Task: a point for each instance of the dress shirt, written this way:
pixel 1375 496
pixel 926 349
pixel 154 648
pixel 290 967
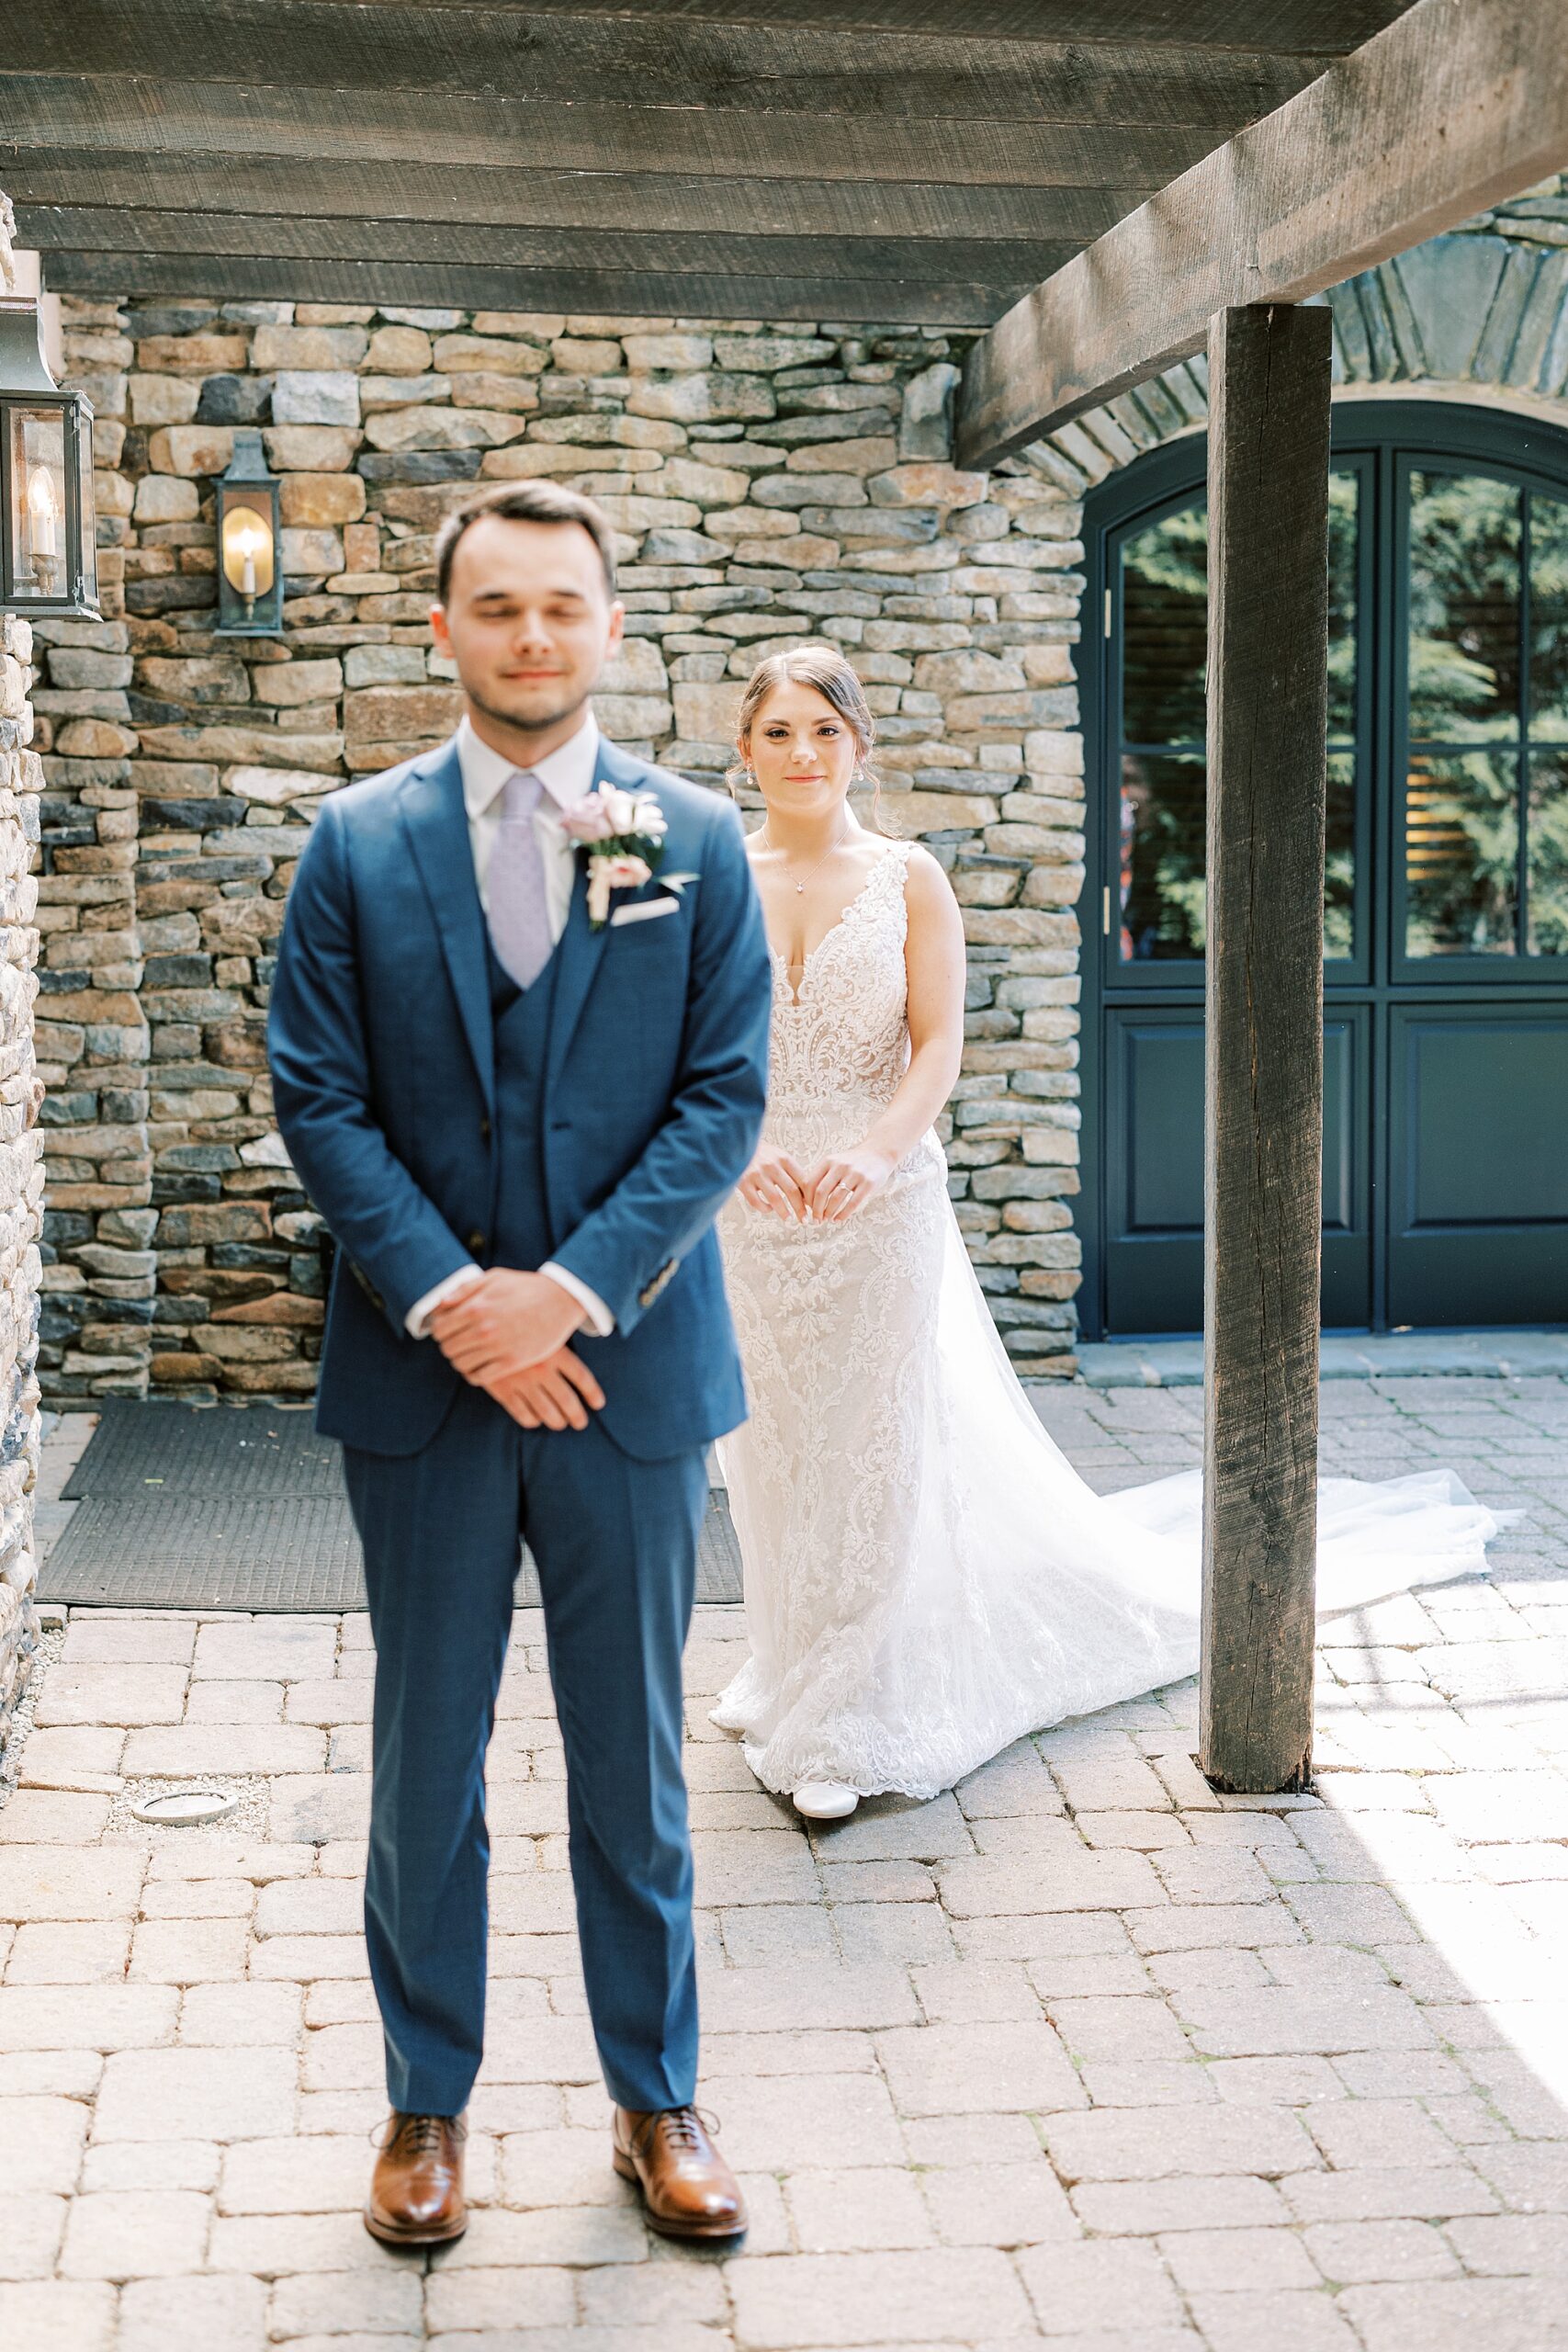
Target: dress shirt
pixel 566 775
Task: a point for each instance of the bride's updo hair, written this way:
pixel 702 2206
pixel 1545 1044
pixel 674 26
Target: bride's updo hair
pixel 824 668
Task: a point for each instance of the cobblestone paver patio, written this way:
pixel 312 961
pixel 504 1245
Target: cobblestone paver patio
pixel 1080 2054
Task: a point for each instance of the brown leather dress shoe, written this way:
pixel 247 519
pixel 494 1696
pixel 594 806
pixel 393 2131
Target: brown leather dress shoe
pixel 688 2190
pixel 416 2190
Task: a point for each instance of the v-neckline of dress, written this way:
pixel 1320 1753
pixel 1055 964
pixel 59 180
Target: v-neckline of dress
pixel 793 996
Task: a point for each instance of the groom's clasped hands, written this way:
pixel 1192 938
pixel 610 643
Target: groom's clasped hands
pixel 507 1334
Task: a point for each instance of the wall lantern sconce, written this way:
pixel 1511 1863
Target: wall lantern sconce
pixel 249 585
pixel 47 530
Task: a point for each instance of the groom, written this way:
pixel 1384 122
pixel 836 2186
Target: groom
pixel 519 1125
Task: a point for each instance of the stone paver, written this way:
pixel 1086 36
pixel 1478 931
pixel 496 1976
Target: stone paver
pixel 1080 2054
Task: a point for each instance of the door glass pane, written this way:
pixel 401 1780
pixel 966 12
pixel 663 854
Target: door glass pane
pixel 1165 574
pixel 1546 892
pixel 1339 862
pixel 1162 858
pixel 1343 495
pixel 1162 720
pixel 1464 601
pixel 1462 844
pixel 1549 618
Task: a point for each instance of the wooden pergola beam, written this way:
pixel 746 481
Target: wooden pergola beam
pixel 1456 105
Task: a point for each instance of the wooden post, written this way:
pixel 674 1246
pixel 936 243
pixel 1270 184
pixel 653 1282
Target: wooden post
pixel 1269 402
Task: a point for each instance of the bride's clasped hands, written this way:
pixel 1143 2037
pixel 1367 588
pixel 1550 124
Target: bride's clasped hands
pixel 827 1193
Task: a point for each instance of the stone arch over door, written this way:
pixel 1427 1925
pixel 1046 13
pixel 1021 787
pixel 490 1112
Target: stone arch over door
pixel 1462 317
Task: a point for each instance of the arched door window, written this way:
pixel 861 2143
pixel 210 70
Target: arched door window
pixel 1444 903
pixel 1463 583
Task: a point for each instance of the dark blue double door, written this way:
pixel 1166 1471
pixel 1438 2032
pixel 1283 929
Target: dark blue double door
pixel 1446 888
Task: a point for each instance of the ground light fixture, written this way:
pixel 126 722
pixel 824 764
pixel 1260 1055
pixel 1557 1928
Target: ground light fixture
pixel 249 585
pixel 47 530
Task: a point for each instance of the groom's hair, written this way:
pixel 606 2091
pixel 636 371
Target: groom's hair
pixel 524 501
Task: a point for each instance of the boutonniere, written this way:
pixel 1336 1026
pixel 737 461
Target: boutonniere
pixel 623 833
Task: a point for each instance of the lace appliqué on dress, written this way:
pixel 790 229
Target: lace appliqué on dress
pixel 926 1577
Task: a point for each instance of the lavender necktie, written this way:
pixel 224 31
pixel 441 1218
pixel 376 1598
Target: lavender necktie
pixel 519 902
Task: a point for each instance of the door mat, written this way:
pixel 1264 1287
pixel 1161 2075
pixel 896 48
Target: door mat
pixel 242 1506
pixel 227 1451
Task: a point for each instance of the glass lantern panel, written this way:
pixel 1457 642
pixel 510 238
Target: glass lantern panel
pixel 38 517
pixel 247 545
pixel 85 508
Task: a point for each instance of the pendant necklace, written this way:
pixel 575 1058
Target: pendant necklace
pixel 800 886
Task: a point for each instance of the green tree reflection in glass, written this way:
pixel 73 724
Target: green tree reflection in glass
pixel 1165 621
pixel 1549 618
pixel 1165 572
pixel 1464 608
pixel 1462 853
pixel 1487 665
pixel 1344 499
pixel 1547 895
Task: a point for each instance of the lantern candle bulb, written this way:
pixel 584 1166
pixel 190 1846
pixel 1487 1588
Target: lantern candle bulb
pixel 42 514
pixel 248 542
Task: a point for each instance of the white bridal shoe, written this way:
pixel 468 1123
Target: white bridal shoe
pixel 825 1800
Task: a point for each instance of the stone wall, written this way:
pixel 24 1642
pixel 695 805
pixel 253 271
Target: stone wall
pixel 21 1168
pixel 769 483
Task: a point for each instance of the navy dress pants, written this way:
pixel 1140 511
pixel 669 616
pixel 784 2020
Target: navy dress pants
pixel 615 1544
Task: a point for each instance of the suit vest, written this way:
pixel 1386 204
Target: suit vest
pixel 519 1020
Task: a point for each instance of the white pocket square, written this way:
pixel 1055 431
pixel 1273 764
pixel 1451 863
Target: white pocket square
pixel 644 910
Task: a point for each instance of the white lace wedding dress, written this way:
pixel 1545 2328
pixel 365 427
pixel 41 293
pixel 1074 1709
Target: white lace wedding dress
pixel 926 1577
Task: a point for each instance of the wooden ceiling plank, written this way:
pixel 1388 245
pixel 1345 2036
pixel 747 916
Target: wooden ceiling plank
pixel 387 127
pixel 1457 106
pixel 1315 28
pixel 513 196
pixel 88 228
pixel 625 293
pixel 547 60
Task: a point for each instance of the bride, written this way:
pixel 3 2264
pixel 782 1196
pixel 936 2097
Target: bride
pixel 927 1578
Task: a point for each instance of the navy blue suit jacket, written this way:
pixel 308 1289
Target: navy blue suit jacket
pixel 379 1038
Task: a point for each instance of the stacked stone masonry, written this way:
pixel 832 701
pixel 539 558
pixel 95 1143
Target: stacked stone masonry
pixel 769 482
pixel 22 1165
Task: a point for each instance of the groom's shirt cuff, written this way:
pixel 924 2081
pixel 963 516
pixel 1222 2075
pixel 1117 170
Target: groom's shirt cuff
pixel 601 1322
pixel 600 1319
pixel 417 1320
